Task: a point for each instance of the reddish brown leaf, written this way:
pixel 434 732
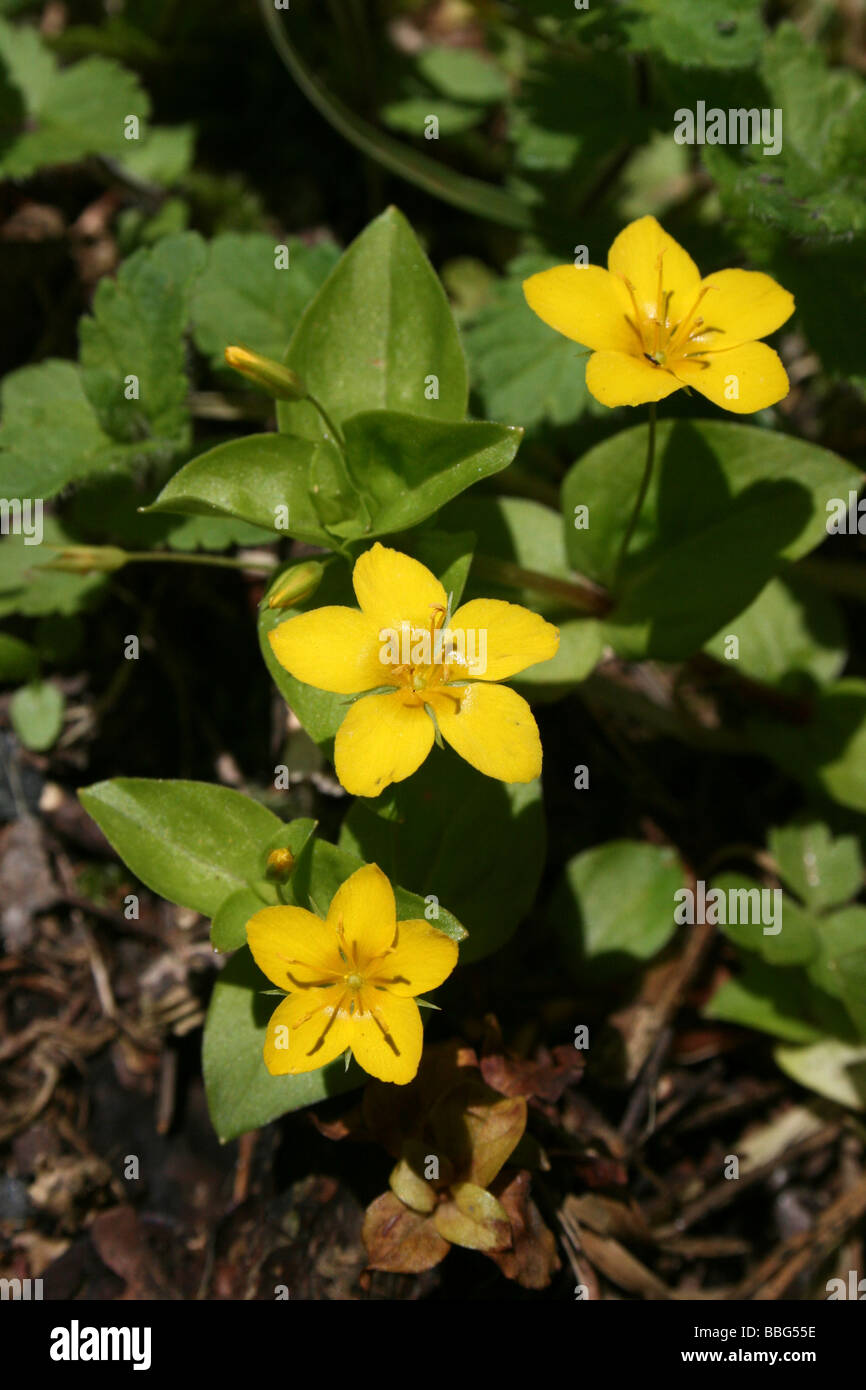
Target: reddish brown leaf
pixel 532 1259
pixel 400 1240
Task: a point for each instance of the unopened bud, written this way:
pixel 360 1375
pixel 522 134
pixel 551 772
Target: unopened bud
pixel 280 863
pixel 277 380
pixel 87 559
pixel 296 584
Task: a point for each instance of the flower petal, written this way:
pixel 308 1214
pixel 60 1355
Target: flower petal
pixel 392 588
pixel 287 940
pixel 383 739
pixel 331 648
pixel 422 958
pixel 492 728
pixel 307 1031
pixel 753 370
pixel 387 1037
pixel 364 908
pixel 617 378
pixel 744 305
pixel 635 257
pixel 585 303
pixel 503 638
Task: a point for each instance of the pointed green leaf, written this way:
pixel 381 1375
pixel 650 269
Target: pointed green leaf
pixel 191 842
pixel 378 329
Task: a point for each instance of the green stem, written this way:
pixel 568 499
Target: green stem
pixel 641 497
pixel 472 195
pixel 577 593
pixel 216 561
pixel 328 422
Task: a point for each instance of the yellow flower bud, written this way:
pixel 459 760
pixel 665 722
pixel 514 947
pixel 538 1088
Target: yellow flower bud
pixel 280 863
pixel 277 380
pixel 87 559
pixel 296 584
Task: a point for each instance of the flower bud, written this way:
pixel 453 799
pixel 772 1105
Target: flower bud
pixel 280 863
pixel 277 380
pixel 87 559
pixel 296 584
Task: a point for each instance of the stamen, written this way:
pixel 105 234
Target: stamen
pixel 658 305
pixel 310 984
pixel 688 320
pixel 633 326
pixel 327 1028
pixel 637 313
pixel 383 1029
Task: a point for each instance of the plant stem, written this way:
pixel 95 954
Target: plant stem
pixel 576 592
pixel 328 422
pixel 641 497
pixel 217 561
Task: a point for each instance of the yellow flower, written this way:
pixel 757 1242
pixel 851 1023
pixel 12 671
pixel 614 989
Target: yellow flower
pixel 352 980
pixel 654 325
pixel 435 669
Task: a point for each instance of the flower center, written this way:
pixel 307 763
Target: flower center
pixel 354 980
pixel 662 337
pixel 417 658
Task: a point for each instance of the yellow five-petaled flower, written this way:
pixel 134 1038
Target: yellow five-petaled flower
pixel 351 979
pixel 654 325
pixel 437 671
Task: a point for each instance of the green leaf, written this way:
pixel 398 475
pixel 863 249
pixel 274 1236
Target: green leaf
pixel 834 1069
pixel 36 711
pixel 463 74
pixel 108 510
pixel 228 928
pixel 263 479
pixel 377 330
pixel 50 435
pixel 28 587
pixel 614 906
pixel 410 115
pixel 137 330
pixel 528 534
pixel 727 504
pixel 828 752
pixel 791 635
pixel 798 942
pixel 190 842
pixel 816 186
pixel 407 467
pixel 523 369
pixel 841 966
pixel 821 870
pixel 241 1093
pixel 18 660
pixel 776 1000
pixel 163 156
pixel 571 112
pixel 711 33
pixel 68 113
pixel 424 831
pixel 242 298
